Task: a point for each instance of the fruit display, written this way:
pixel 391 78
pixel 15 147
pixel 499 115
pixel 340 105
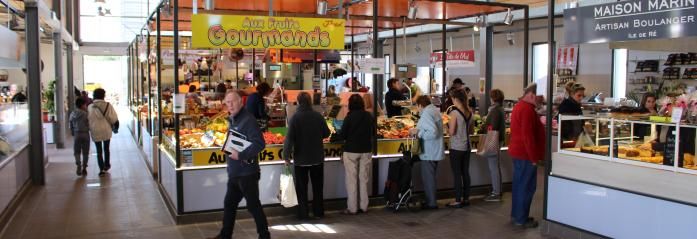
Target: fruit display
pixel 394 128
pixel 271 138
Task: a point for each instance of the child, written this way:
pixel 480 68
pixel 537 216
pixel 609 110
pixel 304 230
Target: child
pixel 79 128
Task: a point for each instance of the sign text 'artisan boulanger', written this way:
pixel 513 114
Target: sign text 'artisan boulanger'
pixel 631 20
pixel 227 31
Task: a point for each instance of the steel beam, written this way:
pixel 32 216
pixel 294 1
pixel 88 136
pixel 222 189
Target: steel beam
pixel 548 114
pixel 58 129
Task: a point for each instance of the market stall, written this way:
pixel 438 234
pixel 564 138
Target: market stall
pixel 190 127
pixel 634 161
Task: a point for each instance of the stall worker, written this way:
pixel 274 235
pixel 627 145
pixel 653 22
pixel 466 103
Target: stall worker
pixel 306 132
pixel 458 129
pixel 193 95
pixel 429 130
pixel 257 105
pixel 357 130
pixel 394 94
pixel 415 90
pixel 647 106
pixel 456 85
pixel 527 148
pixel 571 129
pixel 243 170
pixel 472 101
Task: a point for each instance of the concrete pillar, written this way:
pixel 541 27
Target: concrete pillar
pixel 58 130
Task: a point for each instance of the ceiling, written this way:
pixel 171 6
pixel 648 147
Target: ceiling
pixel 391 12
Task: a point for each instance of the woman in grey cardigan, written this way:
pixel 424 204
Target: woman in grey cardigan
pixel 495 120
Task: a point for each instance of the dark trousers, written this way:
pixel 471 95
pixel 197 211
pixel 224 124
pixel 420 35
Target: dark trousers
pixel 302 176
pixel 81 148
pixel 524 186
pixel 246 187
pixel 103 154
pixel 460 164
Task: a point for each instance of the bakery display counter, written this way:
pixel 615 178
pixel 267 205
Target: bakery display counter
pixel 635 141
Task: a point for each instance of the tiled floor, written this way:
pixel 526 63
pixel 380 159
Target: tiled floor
pixel 127 204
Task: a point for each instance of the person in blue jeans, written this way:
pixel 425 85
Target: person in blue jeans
pixel 527 147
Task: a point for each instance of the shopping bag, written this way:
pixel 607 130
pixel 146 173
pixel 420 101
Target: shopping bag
pixel 584 140
pixel 287 194
pixel 488 144
pixel 416 146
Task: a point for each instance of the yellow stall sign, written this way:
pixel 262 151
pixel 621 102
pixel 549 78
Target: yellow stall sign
pixel 231 31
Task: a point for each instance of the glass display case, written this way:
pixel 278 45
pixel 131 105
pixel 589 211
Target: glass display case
pixel 14 128
pixel 635 141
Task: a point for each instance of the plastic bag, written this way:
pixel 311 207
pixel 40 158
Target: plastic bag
pixel 287 194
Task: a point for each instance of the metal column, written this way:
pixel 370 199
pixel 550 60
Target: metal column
pixel 159 79
pixel 58 129
pixel 176 85
pixel 548 114
pixel 376 78
pixel 394 48
pixel 486 37
pixel 353 62
pixel 445 60
pixel 526 47
pixel 70 81
pixel 36 137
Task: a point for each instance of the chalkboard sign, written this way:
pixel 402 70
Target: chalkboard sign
pixel 669 149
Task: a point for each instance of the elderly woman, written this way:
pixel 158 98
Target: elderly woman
pixel 429 130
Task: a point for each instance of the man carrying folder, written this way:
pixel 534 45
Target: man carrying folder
pixel 241 148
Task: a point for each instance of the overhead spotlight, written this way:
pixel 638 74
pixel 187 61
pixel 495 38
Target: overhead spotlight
pixel 412 10
pixel 322 7
pixel 509 17
pixel 477 24
pixel 510 37
pixel 209 5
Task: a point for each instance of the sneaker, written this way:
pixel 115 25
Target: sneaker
pixel 84 170
pixel 78 171
pixel 107 168
pixel 102 173
pixel 493 198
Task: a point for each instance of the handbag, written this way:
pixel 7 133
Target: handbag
pixel 488 143
pixel 286 193
pixel 115 125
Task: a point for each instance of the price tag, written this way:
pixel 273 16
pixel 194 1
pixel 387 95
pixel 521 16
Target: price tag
pixel 677 115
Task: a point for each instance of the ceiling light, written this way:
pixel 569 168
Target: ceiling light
pixel 476 24
pixel 412 10
pixel 322 7
pixel 510 37
pixel 509 17
pixel 209 5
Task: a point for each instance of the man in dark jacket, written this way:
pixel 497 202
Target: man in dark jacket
pixel 243 169
pixel 306 131
pixel 394 94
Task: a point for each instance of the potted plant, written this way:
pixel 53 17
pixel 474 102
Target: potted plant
pixel 49 97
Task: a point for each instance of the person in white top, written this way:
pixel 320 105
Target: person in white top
pixel 103 120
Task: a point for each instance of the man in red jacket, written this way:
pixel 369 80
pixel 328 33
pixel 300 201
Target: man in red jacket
pixel 527 147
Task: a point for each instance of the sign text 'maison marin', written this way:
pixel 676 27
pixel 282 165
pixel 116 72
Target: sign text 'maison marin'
pixel 625 8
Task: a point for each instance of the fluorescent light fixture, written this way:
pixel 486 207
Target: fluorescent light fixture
pixel 322 7
pixel 508 20
pixel 209 5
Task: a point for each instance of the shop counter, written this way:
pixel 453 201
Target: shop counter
pixel 199 184
pixel 620 185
